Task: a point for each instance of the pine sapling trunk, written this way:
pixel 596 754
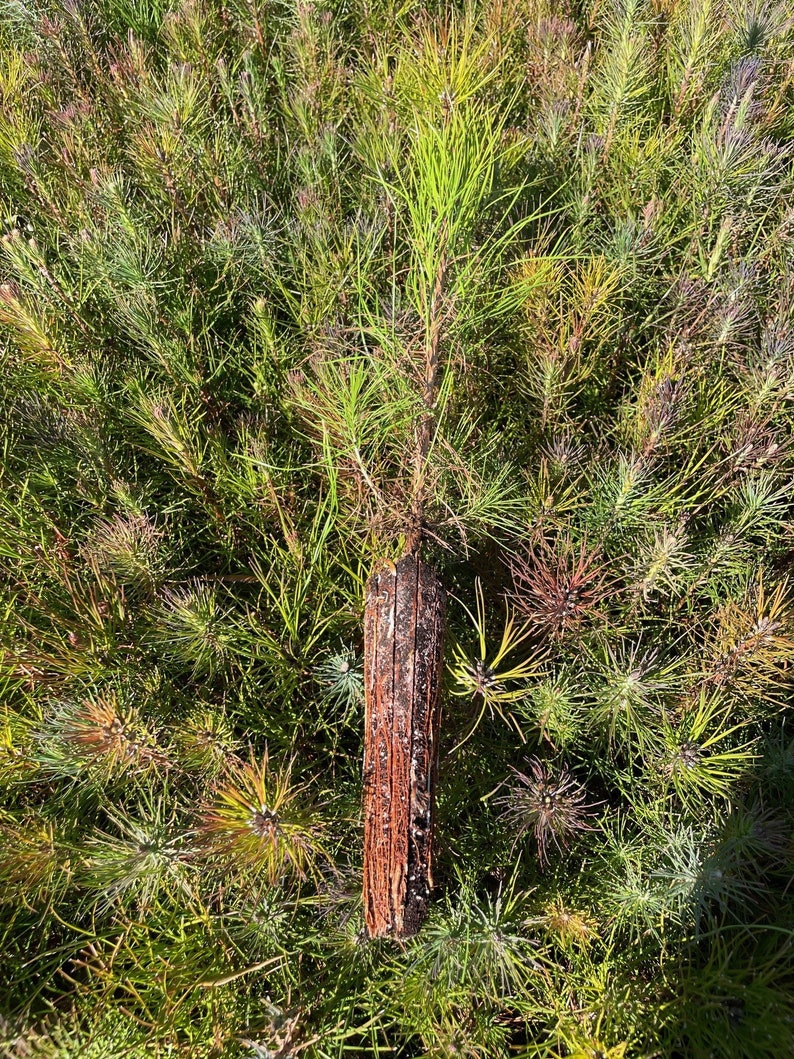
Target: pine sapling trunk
pixel 403 659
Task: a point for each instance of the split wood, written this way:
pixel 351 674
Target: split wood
pixel 403 658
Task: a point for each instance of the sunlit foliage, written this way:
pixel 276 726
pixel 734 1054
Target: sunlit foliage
pixel 287 287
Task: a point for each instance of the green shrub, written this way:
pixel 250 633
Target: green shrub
pixel 284 287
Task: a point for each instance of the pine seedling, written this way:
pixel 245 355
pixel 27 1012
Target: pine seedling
pixel 704 752
pixel 129 547
pixel 571 927
pixel 621 80
pixel 36 859
pixel 146 854
pixel 16 742
pixel 554 708
pixel 631 684
pixel 558 588
pixel 34 330
pixel 548 802
pixel 638 905
pixel 754 837
pixel 725 1009
pixel 702 885
pixel 97 736
pixel 751 645
pixel 661 562
pixel 694 41
pixel 341 679
pixel 570 312
pixel 85 1035
pixel 260 821
pixel 193 627
pixel 481 947
pixel 484 677
pixel 205 742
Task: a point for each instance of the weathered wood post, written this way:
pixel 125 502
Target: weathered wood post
pixel 403 658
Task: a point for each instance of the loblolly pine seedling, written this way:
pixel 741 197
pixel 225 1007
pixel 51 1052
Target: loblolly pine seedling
pixel 555 708
pixel 751 642
pixel 705 752
pixel 476 952
pixel 702 885
pixel 145 854
pixel 36 858
pixel 194 627
pixel 260 819
pixel 77 1034
pixel 547 802
pixel 205 742
pixel 341 679
pixel 571 927
pixel 130 547
pixel 98 737
pixel 483 676
pixel 557 587
pixel 631 682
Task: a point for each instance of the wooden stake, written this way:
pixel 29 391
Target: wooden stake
pixel 403 658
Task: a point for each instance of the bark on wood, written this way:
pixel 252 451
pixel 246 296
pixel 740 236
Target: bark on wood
pixel 403 656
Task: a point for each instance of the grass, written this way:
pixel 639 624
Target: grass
pixel 285 289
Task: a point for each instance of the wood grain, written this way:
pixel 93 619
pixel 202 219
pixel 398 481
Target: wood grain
pixel 403 658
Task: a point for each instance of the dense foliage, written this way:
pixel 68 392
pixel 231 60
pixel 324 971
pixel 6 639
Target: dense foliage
pixel 234 235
